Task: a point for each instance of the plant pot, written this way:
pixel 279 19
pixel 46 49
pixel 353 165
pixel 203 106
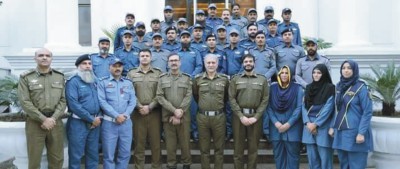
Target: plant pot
pixel 13 144
pixel 386 136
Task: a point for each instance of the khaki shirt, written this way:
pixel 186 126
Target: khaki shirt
pixel 251 92
pixel 174 92
pixel 145 86
pixel 211 94
pixel 42 95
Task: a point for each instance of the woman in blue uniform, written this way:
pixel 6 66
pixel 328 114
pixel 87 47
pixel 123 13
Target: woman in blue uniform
pixel 317 113
pixel 284 111
pixel 351 129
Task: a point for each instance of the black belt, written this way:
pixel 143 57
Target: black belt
pixel 248 111
pixel 211 113
pixel 48 114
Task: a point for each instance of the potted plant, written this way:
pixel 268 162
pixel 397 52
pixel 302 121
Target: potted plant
pixel 385 89
pixel 12 127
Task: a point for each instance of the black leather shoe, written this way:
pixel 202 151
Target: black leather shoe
pixel 186 166
pixel 228 137
pixel 195 137
pixel 303 149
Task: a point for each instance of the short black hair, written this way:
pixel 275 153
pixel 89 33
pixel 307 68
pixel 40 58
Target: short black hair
pixel 248 56
pixel 173 54
pixel 145 50
pixel 234 4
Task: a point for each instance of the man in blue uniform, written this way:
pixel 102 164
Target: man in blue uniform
pixel 198 36
pixel 213 20
pixel 182 25
pixel 155 28
pixel 130 25
pixel 288 53
pixel 221 40
pixel 287 16
pixel 139 41
pixel 273 38
pixel 265 58
pixel 117 100
pixel 171 43
pixel 268 15
pixel 237 18
pixel 252 18
pixel 212 49
pixel 101 60
pixel 128 54
pixel 83 127
pixel 190 58
pixel 226 17
pixel 249 42
pixel 201 19
pixel 159 55
pixel 169 18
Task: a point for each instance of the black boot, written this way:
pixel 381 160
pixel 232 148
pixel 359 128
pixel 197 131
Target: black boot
pixel 186 166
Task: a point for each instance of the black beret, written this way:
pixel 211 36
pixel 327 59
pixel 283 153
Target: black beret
pixel 81 59
pixel 286 30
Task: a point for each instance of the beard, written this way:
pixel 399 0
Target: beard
pixel 252 35
pixel 247 69
pixel 311 52
pixel 140 33
pixel 185 45
pixel 87 75
pixel 104 51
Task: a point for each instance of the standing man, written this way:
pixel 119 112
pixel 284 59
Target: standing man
pixel 117 100
pixel 139 40
pixel 128 54
pixel 171 43
pixel 190 58
pixel 147 115
pixel 287 24
pixel 237 18
pixel 268 15
pixel 201 19
pixel 174 93
pixel 182 25
pixel 130 26
pixel 155 28
pixel 250 42
pixel 226 17
pixel 212 49
pixel 265 63
pixel 213 20
pixel 305 65
pixel 83 127
pixel 288 53
pixel 41 93
pixel 198 38
pixel 159 55
pixel 210 90
pixel 101 60
pixel 222 40
pixel 248 95
pixel 169 18
pixel 252 18
pixel 273 38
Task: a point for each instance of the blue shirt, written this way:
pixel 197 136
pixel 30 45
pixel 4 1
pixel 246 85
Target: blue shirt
pixel 118 36
pixel 149 36
pixel 101 65
pixel 221 59
pixel 240 21
pixel 296 31
pixel 141 45
pixel 234 59
pixel 164 25
pixel 82 99
pixel 247 43
pixel 273 41
pixel 171 46
pixel 116 96
pixel 305 66
pixel 129 58
pixel 264 61
pixel 222 45
pixel 159 59
pixel 213 22
pixel 191 61
pixel 206 31
pixel 288 56
pixel 243 31
pixel 200 46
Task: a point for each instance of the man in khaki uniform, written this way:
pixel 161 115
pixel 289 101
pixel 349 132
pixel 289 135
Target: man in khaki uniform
pixel 248 95
pixel 174 93
pixel 147 115
pixel 210 90
pixel 41 93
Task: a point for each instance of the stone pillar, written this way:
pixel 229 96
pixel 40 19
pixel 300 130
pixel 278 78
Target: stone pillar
pixel 62 25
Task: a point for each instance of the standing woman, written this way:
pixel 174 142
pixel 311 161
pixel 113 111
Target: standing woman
pixel 284 111
pixel 351 130
pixel 317 113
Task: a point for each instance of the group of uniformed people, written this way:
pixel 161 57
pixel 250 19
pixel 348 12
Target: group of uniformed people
pixel 220 79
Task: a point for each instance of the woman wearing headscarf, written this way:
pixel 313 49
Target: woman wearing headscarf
pixel 317 113
pixel 351 129
pixel 284 111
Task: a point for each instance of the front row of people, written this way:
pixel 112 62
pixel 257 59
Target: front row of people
pixel 322 117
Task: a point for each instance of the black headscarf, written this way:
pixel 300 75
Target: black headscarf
pixel 318 92
pixel 282 97
pixel 345 83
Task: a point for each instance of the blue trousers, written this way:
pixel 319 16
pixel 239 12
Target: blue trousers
pixel 193 113
pixel 265 126
pixel 319 157
pixel 82 141
pixel 116 136
pixel 352 160
pixel 228 118
pixel 286 154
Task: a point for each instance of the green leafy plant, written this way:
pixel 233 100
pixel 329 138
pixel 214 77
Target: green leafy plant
pixel 8 91
pixel 111 32
pixel 385 86
pixel 320 43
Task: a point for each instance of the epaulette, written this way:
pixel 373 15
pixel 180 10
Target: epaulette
pixel 235 75
pixel 105 77
pixel 198 75
pixel 57 71
pixel 156 68
pixel 28 72
pixel 223 75
pixel 186 74
pixel 163 74
pixel 125 78
pixel 132 69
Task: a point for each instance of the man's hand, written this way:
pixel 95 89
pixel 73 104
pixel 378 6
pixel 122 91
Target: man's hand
pixel 252 120
pixel 174 120
pixel 96 122
pixel 245 121
pixel 120 119
pixel 144 110
pixel 178 113
pixel 48 123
